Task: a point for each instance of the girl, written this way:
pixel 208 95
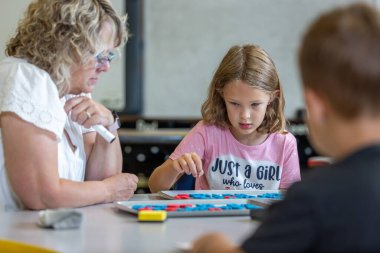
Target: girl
pixel 241 142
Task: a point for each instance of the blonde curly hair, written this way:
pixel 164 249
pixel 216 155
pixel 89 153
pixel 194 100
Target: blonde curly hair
pixel 56 34
pixel 252 65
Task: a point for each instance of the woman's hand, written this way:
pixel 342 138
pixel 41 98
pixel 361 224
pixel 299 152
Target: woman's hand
pixel 86 112
pixel 121 186
pixel 104 159
pixel 189 163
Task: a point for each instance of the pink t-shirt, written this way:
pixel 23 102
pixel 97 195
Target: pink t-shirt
pixel 229 164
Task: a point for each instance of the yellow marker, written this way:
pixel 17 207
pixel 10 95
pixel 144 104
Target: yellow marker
pixel 150 215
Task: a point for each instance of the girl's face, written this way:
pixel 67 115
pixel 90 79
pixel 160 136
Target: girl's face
pixel 85 77
pixel 246 107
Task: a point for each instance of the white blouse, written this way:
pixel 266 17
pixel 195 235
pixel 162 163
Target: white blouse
pixel 29 92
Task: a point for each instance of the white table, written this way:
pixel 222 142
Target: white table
pixel 107 229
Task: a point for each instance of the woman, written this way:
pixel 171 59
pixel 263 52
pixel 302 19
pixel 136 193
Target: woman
pixel 50 157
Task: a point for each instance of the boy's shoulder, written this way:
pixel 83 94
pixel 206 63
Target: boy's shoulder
pixel 362 163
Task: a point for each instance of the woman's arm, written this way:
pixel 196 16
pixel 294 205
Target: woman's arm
pixel 104 159
pixel 31 161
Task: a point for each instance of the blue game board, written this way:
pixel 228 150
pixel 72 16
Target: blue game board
pixel 223 194
pixel 191 208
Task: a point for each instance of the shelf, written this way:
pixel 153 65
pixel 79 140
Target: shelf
pixel 160 136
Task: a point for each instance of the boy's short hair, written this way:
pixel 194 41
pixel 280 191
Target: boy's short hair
pixel 340 59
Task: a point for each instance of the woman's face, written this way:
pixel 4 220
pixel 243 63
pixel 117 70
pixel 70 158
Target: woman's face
pixel 85 77
pixel 246 107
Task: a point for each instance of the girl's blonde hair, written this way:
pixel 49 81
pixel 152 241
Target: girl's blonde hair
pixel 252 65
pixel 54 35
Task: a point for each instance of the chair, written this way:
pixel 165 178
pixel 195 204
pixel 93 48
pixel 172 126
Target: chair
pixel 186 182
pixel 7 246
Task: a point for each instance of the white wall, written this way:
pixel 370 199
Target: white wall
pixel 110 89
pixel 10 13
pixel 185 41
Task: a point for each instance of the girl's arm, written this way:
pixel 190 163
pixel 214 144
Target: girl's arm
pixel 166 175
pixel 163 177
pixel 31 160
pixel 188 161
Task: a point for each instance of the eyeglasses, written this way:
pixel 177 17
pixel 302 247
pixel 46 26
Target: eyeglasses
pixel 105 57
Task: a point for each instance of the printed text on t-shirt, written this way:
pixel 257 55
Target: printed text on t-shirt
pixel 239 173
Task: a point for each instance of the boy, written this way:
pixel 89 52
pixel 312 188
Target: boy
pixel 336 208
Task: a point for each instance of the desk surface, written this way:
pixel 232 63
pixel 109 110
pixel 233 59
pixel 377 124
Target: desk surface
pixel 107 229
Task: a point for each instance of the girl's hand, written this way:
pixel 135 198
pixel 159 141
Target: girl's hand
pixel 189 163
pixel 87 112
